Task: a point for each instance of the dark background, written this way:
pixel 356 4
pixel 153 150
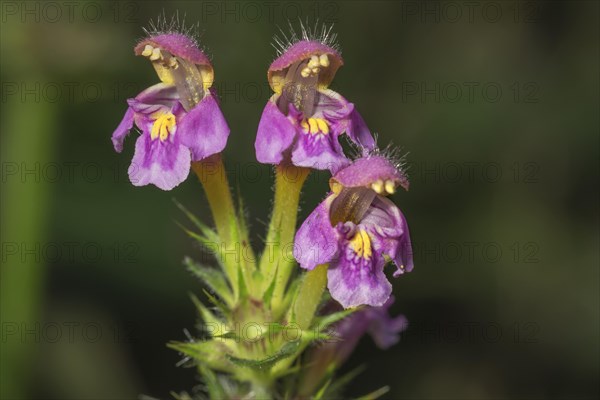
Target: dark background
pixel 495 102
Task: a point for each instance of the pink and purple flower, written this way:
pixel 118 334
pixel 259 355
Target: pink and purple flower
pixel 303 120
pixel 179 119
pixel 356 230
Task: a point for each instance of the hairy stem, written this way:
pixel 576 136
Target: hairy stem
pixel 309 295
pixel 277 260
pixel 213 177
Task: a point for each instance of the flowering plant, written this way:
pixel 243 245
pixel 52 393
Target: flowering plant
pixel 270 330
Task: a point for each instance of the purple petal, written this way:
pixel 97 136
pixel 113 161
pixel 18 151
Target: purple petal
pixel 384 330
pixel 316 240
pixel 159 97
pixel 122 130
pixel 204 129
pixel 177 44
pixel 275 134
pixel 163 164
pixel 359 132
pixel 343 118
pixel 318 151
pixel 353 283
pixel 384 218
pixel 366 170
pixel 404 256
pixel 389 233
pixel 301 50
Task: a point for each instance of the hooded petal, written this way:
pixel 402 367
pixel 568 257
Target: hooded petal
pixel 204 129
pixel 159 98
pixel 353 283
pixel 389 231
pixel 164 164
pixel 316 241
pixel 369 169
pixel 275 134
pixel 177 44
pixel 122 130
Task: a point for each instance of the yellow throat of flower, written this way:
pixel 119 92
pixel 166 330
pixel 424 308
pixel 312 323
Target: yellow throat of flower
pixel 163 126
pixel 315 125
pixel 361 244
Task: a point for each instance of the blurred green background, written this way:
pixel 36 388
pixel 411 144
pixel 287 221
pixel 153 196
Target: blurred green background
pixel 495 102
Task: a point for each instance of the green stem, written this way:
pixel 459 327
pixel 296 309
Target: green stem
pixel 212 175
pixel 277 260
pixel 309 295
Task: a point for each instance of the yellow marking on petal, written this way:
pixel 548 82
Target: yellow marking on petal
pixel 361 244
pixel 390 187
pixel 323 127
pixel 377 186
pixel 163 126
pixel 368 250
pixel 147 50
pixel 314 127
pixel 304 125
pixel 324 60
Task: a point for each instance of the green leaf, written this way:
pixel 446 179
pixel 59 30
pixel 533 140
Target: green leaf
pixel 203 227
pixel 176 396
pixel 325 321
pixel 339 383
pixel 322 391
pixel 222 307
pixel 375 394
pixel 207 316
pixel 242 221
pixel 243 289
pixel 268 295
pixel 213 386
pixel 288 349
pixel 212 277
pixel 196 349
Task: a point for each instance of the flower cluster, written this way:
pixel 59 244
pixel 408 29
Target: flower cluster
pixel 344 244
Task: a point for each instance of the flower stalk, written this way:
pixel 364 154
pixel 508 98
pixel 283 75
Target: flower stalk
pixel 310 295
pixel 213 177
pixel 277 261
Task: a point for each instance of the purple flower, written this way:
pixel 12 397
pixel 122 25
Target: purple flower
pixel 355 230
pixel 376 321
pixel 179 118
pixel 303 120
